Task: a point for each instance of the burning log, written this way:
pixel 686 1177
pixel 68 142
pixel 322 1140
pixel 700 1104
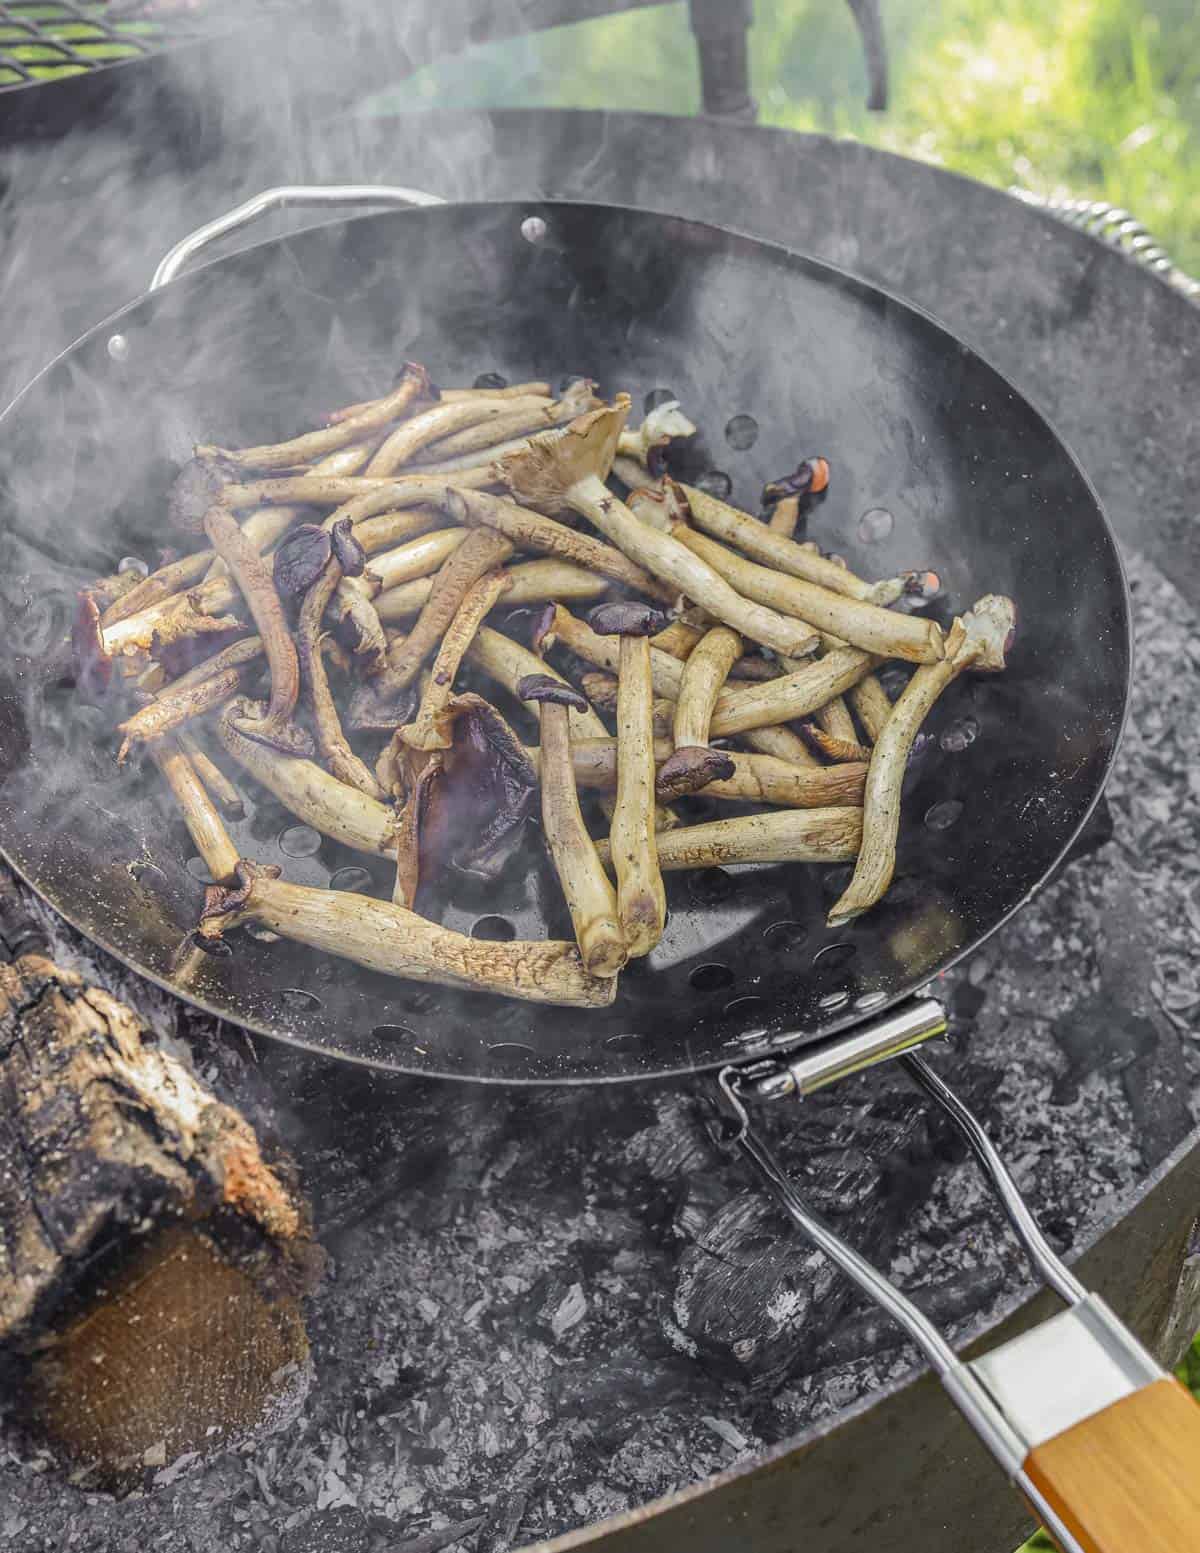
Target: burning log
pixel 152 1259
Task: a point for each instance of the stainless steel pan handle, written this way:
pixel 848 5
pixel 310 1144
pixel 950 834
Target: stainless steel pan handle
pixel 336 196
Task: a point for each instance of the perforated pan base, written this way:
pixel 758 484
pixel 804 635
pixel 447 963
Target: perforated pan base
pixel 970 478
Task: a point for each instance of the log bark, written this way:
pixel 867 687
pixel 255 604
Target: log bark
pixel 152 1262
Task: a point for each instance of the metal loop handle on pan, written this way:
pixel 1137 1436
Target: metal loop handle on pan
pixel 1116 228
pixel 310 197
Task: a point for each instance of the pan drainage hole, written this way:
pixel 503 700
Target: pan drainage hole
pixel 299 1001
pixel 869 1000
pixel 741 433
pixel 148 873
pixel 495 929
pixel 300 841
pixel 875 525
pixel 833 956
pixel 533 230
pixel 625 1041
pixel 832 1001
pixel 264 935
pixel 782 937
pixel 711 977
pixel 960 735
pixel 658 396
pixel 198 868
pixel 745 1009
pixel 133 563
pixel 711 886
pixel 510 1050
pixel 353 879
pixel 941 816
pixel 488 380
pixel 715 482
pixel 393 1033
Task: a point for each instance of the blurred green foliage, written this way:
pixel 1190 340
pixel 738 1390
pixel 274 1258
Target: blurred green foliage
pixel 1097 98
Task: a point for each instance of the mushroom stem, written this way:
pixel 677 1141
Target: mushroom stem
pixel 217 785
pixel 678 639
pixel 430 729
pixel 199 813
pixel 176 706
pixel 470 447
pixel 792 695
pixel 870 700
pixel 785 516
pixel 579 638
pixel 755 779
pixel 413 385
pixel 332 743
pixel 834 719
pixel 333 490
pixel 385 937
pixel 662 425
pixel 456 396
pixel 783 836
pixel 601 691
pixel 567 470
pixel 159 585
pixel 860 624
pixel 979 640
pixel 704 673
pixel 834 747
pixel 508 663
pixel 443 420
pixel 420 557
pixel 533 582
pixel 783 744
pixel 736 528
pixel 590 897
pixel 532 531
pixel 310 792
pixel 641 899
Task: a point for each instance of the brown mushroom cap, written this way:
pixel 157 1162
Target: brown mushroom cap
pixel 541 687
pixel 350 554
pixel 628 618
pixel 301 559
pixel 691 768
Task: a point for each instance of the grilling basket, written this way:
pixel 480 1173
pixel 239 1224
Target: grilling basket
pixel 748 982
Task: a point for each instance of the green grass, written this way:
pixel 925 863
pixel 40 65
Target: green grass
pixel 1097 98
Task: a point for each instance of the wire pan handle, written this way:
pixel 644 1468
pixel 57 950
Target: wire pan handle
pixel 354 196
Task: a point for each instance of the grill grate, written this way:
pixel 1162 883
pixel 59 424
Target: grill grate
pixel 49 40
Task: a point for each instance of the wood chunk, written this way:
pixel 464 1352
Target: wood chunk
pixel 151 1261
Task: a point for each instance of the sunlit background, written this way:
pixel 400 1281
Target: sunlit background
pixel 1082 98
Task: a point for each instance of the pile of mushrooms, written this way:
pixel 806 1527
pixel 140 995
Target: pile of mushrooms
pixel 354 575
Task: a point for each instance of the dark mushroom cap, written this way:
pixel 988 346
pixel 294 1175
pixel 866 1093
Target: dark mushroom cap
pixel 812 474
pixel 541 687
pixel 628 618
pixel 351 556
pixel 691 768
pixel 301 559
pixel 543 625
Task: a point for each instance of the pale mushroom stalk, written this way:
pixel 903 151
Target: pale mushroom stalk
pixel 533 582
pixel 783 744
pixel 859 623
pixel 834 719
pixel 533 531
pixel 419 557
pixel 455 396
pixel 204 824
pixel 833 747
pixel 704 674
pixel 566 470
pixel 769 548
pixel 662 425
pixel 601 691
pixel 217 785
pixel 175 707
pixel 257 586
pixel 590 897
pixel 508 663
pixel 641 899
pixel 332 743
pixel 782 836
pixel 431 729
pixel 785 516
pixel 870 700
pixel 442 421
pixel 579 638
pixel 311 793
pixel 792 695
pixel 980 641
pixel 245 650
pixel 335 490
pixel 516 426
pixel 387 938
pixel 414 385
pixel 755 778
pixel 159 585
pixel 678 639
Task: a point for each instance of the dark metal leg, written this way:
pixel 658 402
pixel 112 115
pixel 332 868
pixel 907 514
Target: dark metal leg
pixel 722 29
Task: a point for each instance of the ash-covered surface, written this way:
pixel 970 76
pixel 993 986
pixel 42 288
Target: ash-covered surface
pixel 548 1307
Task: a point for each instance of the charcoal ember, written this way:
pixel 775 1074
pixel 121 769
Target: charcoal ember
pixel 630 1381
pixel 870 1331
pixel 330 1531
pixel 499 1530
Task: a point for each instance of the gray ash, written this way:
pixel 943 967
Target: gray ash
pixel 519 1326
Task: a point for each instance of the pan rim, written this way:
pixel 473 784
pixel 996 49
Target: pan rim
pixel 831 273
